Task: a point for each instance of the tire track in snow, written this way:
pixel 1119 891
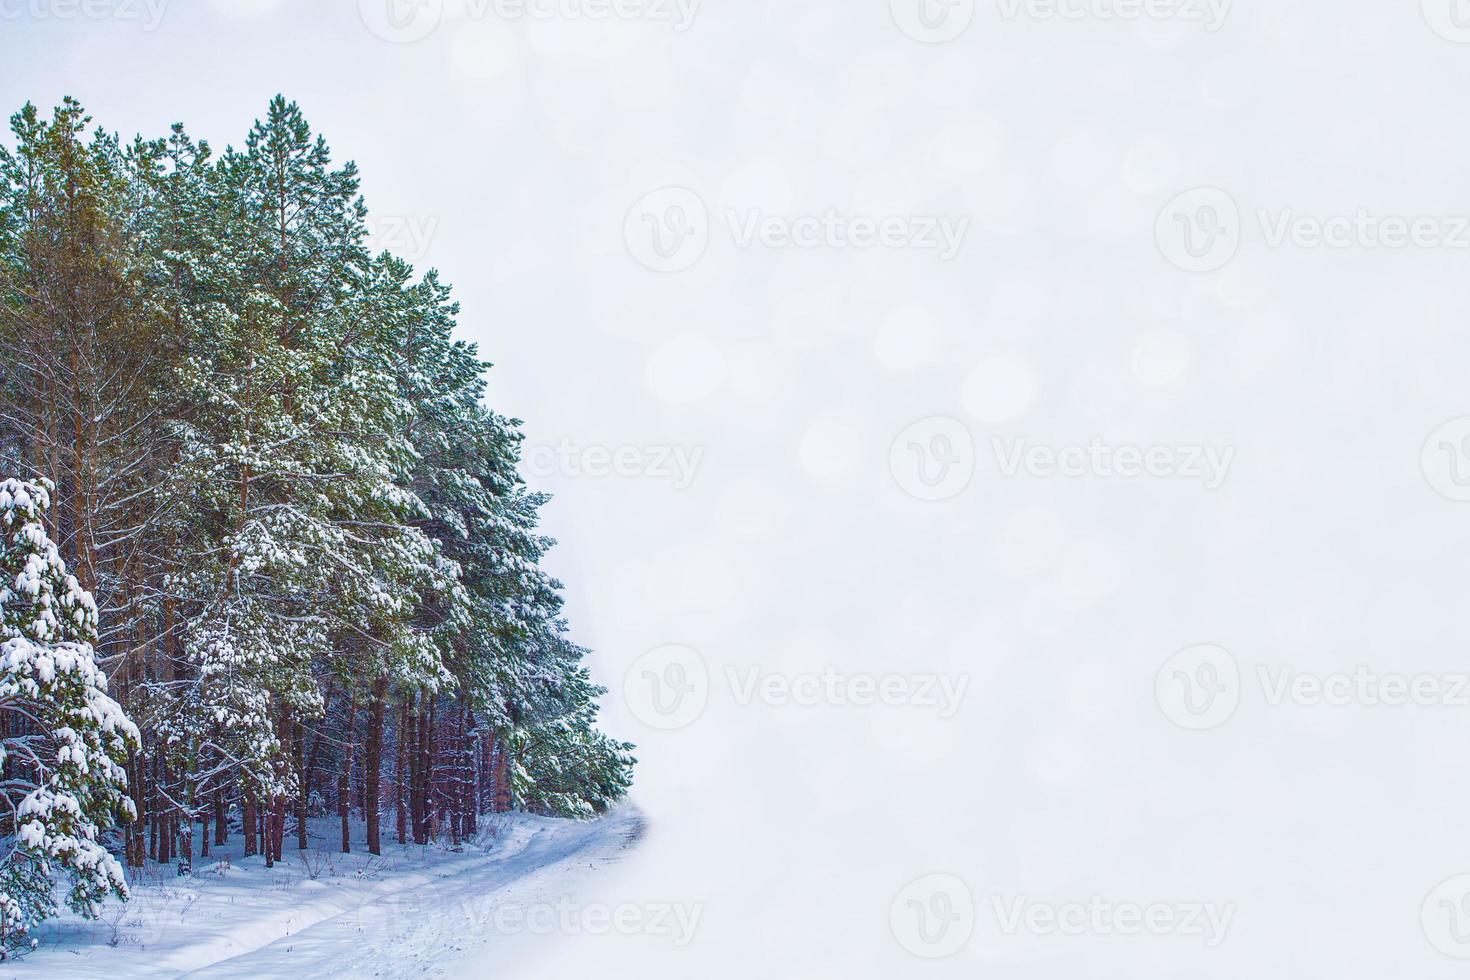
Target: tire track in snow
pixel 422 930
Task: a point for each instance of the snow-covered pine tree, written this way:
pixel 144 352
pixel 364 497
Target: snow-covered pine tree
pixel 319 560
pixel 63 740
pixel 87 348
pixel 564 766
pixel 501 632
pixel 298 456
pixel 522 674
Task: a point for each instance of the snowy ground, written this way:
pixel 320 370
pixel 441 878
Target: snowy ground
pixel 414 911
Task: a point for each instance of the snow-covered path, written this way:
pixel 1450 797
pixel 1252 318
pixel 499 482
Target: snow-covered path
pixel 417 916
pixel 421 930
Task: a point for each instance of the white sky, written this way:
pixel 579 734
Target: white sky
pixel 516 147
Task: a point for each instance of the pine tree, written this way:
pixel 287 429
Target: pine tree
pixel 564 766
pixel 317 557
pixel 65 740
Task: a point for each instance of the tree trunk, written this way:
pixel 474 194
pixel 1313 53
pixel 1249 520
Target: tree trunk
pixel 401 767
pixel 303 785
pixel 252 826
pixel 150 811
pixel 314 757
pixel 278 826
pixel 184 825
pixel 137 828
pixel 422 771
pixel 464 795
pixel 485 791
pixel 265 836
pixel 374 764
pixel 344 774
pixel 503 799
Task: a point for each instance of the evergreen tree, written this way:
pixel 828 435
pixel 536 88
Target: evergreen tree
pixel 322 571
pixel 64 739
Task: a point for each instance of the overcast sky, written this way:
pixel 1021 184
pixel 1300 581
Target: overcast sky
pixel 1037 393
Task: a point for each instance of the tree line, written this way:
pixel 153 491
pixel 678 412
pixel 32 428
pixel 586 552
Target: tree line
pixel 310 574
